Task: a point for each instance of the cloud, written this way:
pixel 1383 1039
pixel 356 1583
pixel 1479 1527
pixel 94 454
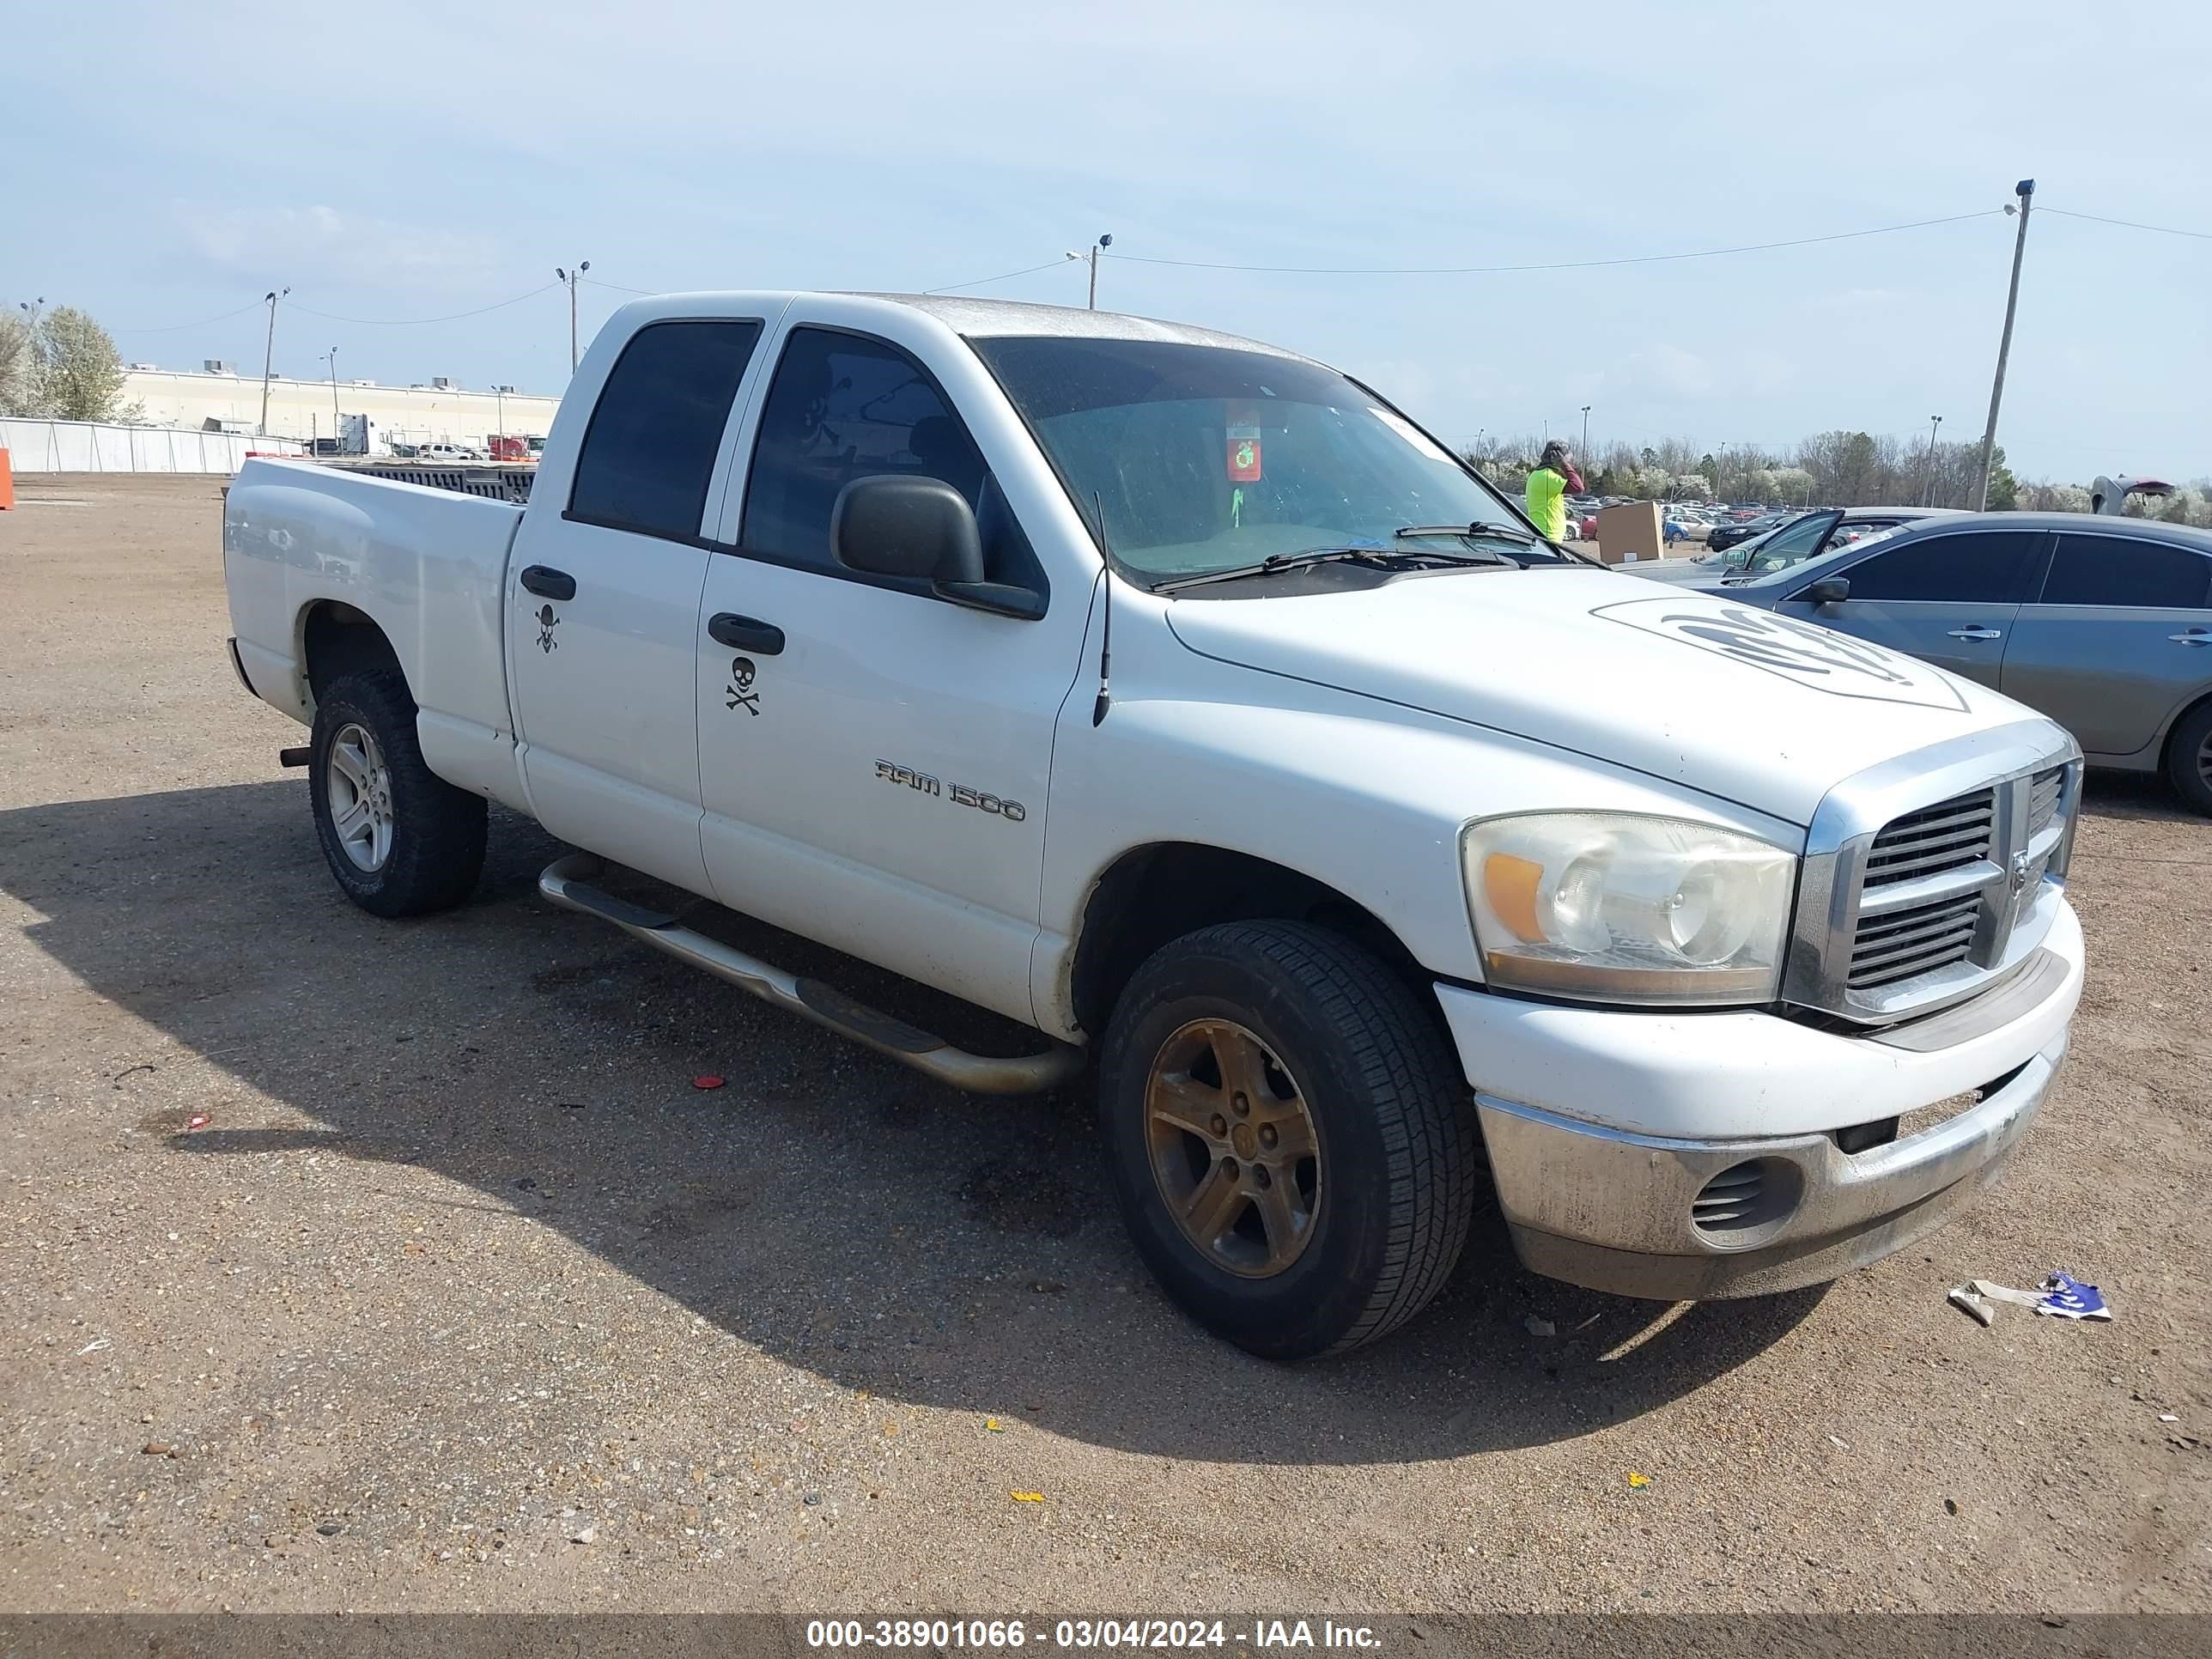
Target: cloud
pixel 307 244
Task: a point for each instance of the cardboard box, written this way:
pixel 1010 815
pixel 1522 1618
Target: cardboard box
pixel 1626 534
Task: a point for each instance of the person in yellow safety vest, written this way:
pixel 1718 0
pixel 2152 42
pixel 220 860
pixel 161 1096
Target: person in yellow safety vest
pixel 1548 485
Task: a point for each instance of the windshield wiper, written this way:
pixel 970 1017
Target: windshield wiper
pixel 1384 557
pixel 1503 532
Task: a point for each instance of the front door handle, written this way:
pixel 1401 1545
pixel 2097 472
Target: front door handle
pixel 746 634
pixel 1978 633
pixel 2194 636
pixel 548 583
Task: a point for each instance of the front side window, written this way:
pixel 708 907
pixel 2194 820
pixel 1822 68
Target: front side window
pixel 844 407
pixel 1988 567
pixel 649 453
pixel 1212 457
pixel 2128 571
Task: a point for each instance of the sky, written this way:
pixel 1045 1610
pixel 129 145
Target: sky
pixel 165 164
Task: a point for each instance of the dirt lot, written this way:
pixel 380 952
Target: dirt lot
pixel 465 1297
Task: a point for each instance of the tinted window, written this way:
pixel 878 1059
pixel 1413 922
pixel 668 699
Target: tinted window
pixel 842 408
pixel 651 446
pixel 2121 570
pixel 1970 568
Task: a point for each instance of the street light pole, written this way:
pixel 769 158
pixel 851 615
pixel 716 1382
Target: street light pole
pixel 1934 420
pixel 1586 410
pixel 2025 190
pixel 335 418
pixel 269 353
pixel 571 277
pixel 1106 241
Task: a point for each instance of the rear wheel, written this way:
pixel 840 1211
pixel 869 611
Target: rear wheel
pixel 1289 1137
pixel 2189 757
pixel 400 840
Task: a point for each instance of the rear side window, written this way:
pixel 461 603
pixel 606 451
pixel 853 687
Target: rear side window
pixel 2124 570
pixel 650 448
pixel 1987 567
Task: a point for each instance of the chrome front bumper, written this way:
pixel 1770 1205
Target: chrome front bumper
pixel 1614 1210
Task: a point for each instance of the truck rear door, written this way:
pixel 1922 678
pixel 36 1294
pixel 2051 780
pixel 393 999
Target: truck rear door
pixel 603 606
pixel 874 759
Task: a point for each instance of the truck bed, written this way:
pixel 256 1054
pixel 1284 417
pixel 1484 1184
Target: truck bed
pixel 428 567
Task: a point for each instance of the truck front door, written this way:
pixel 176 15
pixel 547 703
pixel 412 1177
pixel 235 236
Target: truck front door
pixel 603 605
pixel 874 759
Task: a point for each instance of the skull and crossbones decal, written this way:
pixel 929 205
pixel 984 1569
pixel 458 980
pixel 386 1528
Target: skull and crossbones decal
pixel 740 689
pixel 547 620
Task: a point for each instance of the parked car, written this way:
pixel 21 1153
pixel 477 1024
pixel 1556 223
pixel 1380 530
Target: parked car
pixel 447 452
pixel 2104 624
pixel 1391 862
pixel 1801 536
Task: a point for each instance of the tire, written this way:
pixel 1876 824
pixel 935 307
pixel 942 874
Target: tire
pixel 1396 1164
pixel 421 845
pixel 2189 758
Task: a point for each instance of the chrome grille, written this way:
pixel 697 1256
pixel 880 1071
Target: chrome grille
pixel 1946 836
pixel 1906 904
pixel 2043 797
pixel 1897 945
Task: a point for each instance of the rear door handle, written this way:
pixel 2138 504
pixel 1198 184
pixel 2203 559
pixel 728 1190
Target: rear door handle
pixel 1978 633
pixel 746 634
pixel 548 583
pixel 2194 636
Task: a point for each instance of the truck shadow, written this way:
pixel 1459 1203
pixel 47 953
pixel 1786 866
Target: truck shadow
pixel 824 1205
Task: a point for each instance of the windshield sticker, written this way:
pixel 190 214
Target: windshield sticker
pixel 1812 656
pixel 1412 433
pixel 1244 454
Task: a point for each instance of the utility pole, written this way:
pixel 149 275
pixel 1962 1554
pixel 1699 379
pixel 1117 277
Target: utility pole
pixel 1106 241
pixel 1934 420
pixel 336 419
pixel 1585 455
pixel 269 353
pixel 571 277
pixel 2025 190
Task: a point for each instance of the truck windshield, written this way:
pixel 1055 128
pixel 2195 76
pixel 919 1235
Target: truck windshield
pixel 1208 458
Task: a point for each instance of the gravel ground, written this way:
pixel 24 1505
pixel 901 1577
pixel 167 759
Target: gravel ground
pixel 465 1298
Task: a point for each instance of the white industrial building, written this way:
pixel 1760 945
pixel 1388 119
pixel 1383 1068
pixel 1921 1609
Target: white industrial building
pixel 216 398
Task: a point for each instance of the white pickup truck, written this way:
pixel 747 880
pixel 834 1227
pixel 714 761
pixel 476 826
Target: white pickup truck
pixel 1182 699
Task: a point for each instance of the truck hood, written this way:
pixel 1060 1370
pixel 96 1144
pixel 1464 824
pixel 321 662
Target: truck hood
pixel 1724 698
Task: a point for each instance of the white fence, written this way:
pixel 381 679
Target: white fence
pixel 34 445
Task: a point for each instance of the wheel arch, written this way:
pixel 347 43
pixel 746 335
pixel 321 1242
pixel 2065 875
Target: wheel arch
pixel 1157 892
pixel 337 638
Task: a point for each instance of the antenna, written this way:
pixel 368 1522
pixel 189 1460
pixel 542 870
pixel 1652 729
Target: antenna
pixel 1106 625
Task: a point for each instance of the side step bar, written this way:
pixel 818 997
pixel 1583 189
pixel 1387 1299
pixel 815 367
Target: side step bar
pixel 567 882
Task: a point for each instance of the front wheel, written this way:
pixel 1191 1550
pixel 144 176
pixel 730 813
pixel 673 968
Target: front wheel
pixel 1289 1137
pixel 400 840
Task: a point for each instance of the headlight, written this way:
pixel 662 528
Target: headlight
pixel 1615 907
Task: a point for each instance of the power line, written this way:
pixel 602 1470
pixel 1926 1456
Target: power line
pixel 179 328
pixel 2163 230
pixel 1563 264
pixel 413 322
pixel 594 281
pixel 1003 275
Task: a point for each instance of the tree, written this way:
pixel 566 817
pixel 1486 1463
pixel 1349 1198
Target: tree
pixel 2004 488
pixel 82 370
pixel 19 367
